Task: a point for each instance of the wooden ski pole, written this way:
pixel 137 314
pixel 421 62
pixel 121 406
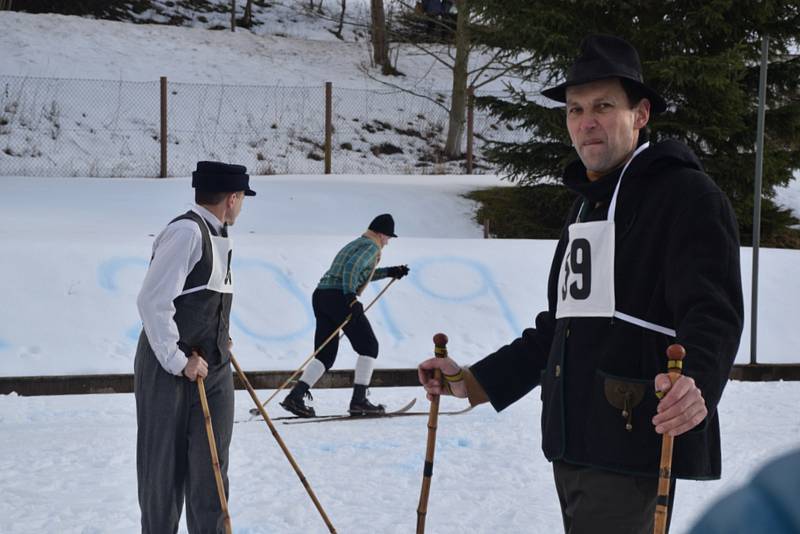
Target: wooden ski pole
pixel 212 444
pixel 281 444
pixel 675 355
pixel 322 346
pixel 440 350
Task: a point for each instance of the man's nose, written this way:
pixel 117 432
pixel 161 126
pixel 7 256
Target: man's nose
pixel 588 122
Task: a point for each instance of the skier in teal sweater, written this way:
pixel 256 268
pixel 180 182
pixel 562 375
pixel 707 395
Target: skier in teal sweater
pixel 334 299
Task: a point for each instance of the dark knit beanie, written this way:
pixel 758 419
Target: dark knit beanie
pixel 383 224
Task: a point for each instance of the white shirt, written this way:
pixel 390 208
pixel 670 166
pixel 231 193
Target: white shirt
pixel 176 251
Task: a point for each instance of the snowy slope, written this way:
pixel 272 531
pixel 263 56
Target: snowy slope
pixel 85 101
pixel 287 51
pixel 93 49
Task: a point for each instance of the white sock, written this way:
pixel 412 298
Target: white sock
pixel 364 367
pixel 313 372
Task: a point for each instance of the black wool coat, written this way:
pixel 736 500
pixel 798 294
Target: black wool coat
pixel 676 265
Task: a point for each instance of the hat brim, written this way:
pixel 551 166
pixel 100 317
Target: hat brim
pixel 249 193
pixel 559 92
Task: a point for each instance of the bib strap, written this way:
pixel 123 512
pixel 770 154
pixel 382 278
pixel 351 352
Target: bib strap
pixel 645 324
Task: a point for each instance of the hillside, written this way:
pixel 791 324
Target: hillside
pixel 253 98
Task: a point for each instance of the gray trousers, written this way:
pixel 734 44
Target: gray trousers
pixel 597 501
pixel 173 459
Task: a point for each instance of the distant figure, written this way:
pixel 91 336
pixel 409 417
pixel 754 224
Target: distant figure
pixel 768 503
pixel 185 306
pixel 433 8
pixel 648 257
pixel 440 16
pixel 333 301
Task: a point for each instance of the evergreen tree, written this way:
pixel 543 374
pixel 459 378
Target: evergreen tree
pixel 703 57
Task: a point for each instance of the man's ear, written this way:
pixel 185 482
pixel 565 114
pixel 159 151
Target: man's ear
pixel 642 111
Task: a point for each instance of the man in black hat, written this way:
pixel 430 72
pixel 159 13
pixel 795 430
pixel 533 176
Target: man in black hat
pixel 649 256
pixel 334 300
pixel 185 305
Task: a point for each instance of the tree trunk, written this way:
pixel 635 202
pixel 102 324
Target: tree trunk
pixel 233 15
pixel 380 47
pixel 458 98
pixel 248 14
pixel 341 19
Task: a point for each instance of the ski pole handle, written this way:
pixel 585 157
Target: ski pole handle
pixel 675 355
pixel 440 351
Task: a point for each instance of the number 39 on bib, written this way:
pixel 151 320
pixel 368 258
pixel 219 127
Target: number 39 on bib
pixel 586 280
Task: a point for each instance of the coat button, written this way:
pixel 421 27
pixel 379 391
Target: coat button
pixel 558 371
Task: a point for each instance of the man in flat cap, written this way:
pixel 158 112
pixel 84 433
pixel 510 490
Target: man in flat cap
pixel 334 301
pixel 185 305
pixel 649 257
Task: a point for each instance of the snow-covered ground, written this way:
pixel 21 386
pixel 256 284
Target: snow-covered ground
pixel 76 253
pixel 67 465
pixel 80 249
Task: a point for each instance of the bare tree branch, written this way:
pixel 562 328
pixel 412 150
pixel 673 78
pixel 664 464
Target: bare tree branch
pixel 500 72
pixel 403 89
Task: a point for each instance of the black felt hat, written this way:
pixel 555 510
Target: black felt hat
pixel 383 224
pixel 602 57
pixel 218 177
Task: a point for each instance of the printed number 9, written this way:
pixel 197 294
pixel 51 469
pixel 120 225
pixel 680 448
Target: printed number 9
pixel 580 260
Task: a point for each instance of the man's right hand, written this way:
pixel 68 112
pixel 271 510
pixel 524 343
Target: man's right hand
pixel 447 366
pixel 195 367
pixel 356 309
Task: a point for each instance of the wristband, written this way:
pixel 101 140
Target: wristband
pixel 458 377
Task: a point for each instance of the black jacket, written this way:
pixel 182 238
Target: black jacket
pixel 676 265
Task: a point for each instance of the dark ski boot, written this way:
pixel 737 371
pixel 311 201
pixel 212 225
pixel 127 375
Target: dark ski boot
pixel 294 401
pixel 359 405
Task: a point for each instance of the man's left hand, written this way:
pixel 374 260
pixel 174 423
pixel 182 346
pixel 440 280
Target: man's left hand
pixel 398 271
pixel 682 408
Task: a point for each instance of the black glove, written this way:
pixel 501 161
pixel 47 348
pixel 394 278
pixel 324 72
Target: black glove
pixel 398 271
pixel 356 311
pixel 354 307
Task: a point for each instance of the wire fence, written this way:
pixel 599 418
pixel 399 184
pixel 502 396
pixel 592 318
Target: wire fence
pixel 72 127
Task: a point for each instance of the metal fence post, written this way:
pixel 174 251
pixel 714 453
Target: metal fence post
pixel 470 126
pixel 163 173
pixel 328 124
pixel 762 96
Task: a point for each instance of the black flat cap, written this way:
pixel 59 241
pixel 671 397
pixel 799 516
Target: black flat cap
pixel 218 177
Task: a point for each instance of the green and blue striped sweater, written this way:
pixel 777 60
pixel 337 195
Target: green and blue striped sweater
pixel 353 265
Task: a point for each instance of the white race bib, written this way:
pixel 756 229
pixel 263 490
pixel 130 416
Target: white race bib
pixel 586 280
pixel 221 280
